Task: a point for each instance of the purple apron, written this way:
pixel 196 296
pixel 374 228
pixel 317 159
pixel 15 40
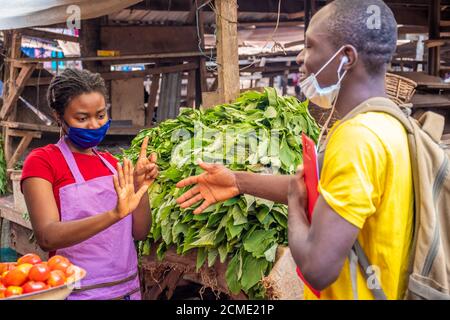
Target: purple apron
pixel 108 257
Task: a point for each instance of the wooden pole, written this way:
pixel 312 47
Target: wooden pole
pixel 227 50
pixel 434 20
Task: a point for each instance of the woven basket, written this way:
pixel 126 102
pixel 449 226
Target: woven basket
pixel 400 89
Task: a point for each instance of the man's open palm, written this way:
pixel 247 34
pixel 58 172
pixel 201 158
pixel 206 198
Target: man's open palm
pixel 216 184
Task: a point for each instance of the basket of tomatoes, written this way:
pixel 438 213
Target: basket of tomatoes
pixel 30 278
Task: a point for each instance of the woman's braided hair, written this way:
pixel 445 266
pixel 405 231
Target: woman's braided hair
pixel 70 84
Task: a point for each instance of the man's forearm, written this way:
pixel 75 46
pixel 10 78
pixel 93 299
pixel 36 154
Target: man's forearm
pixel 270 187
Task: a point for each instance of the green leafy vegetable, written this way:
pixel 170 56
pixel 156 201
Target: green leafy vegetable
pixel 259 132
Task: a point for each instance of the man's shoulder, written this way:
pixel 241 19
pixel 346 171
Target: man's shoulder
pixel 385 127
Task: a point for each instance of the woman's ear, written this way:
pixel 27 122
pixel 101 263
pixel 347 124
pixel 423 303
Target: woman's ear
pixel 57 118
pixel 352 57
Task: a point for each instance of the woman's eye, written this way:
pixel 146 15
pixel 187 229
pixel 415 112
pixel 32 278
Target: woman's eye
pixel 101 116
pixel 82 119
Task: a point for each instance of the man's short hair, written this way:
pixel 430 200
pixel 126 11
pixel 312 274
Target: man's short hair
pixel 368 25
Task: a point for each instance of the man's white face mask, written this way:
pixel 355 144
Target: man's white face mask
pixel 324 97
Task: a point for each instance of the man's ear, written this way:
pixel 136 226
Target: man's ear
pixel 352 56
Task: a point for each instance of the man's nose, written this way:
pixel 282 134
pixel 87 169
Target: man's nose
pixel 300 59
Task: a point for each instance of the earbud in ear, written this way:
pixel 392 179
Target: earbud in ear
pixel 345 60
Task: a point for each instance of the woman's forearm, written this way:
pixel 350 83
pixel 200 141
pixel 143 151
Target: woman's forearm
pixel 270 187
pixel 59 235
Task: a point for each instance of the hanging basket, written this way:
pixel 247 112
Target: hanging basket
pixel 400 89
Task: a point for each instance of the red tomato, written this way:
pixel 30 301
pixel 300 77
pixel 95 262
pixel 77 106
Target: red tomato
pixel 16 277
pixel 74 270
pixel 33 286
pixel 55 260
pixel 2 291
pixel 6 266
pixel 57 278
pixel 63 265
pixel 13 291
pixel 26 267
pixel 29 258
pixel 39 272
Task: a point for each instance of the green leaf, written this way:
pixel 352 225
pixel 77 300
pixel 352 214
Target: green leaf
pixel 270 113
pixel 212 256
pixel 253 271
pixel 201 258
pixel 206 239
pixel 270 253
pixel 231 275
pixel 223 253
pixel 238 216
pixel 259 241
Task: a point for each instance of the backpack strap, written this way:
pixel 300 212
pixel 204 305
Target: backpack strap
pixel 378 104
pixel 364 264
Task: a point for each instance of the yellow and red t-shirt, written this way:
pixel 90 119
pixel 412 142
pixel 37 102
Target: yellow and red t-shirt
pixel 366 178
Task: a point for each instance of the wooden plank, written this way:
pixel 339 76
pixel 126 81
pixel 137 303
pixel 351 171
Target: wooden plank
pixel 191 89
pixel 296 15
pixel 23 133
pixel 16 43
pixel 154 88
pixel 227 50
pixel 14 216
pixel 117 75
pixel 122 131
pixel 420 100
pixel 127 100
pixel 16 90
pixel 169 98
pixel 21 148
pixel 49 35
pixel 90 42
pixel 120 58
pixel 148 39
pixel 23 242
pixel 434 33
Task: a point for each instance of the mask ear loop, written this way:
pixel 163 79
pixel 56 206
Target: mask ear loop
pixel 329 61
pixel 325 126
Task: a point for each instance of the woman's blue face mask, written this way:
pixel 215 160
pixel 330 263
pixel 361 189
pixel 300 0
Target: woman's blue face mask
pixel 87 138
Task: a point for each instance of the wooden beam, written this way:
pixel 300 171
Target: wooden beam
pixel 227 50
pixel 154 88
pixel 119 58
pixel 201 74
pixel 296 15
pixel 22 147
pixel 434 34
pixel 15 90
pixel 116 75
pixel 191 89
pixel 49 35
pixel 16 44
pixel 308 12
pixel 90 42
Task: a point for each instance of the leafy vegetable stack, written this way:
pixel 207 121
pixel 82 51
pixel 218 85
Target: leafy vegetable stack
pixel 259 132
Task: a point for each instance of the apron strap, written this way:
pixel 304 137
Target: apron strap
pixel 122 297
pixel 106 284
pixel 70 160
pixel 106 162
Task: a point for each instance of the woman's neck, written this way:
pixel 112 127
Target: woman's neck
pixel 76 149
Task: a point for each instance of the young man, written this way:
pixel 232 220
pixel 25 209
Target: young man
pixel 365 184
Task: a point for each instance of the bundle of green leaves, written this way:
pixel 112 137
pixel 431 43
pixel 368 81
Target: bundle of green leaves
pixel 3 172
pixel 259 132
